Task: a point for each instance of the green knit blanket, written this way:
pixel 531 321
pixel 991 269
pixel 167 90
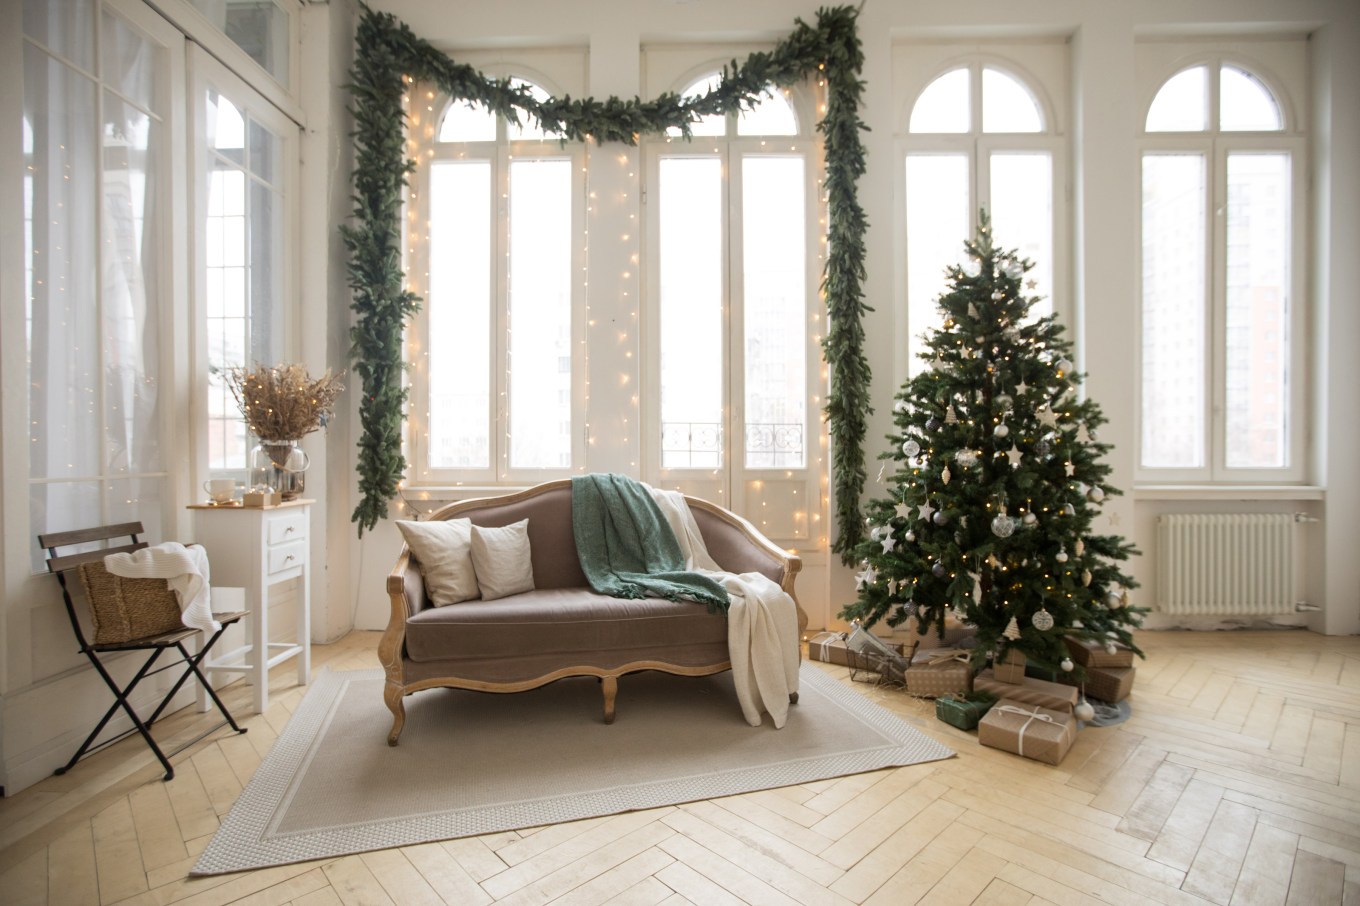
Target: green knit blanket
pixel 626 546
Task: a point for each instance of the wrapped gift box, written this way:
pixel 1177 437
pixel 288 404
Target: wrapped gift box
pixel 1109 684
pixel 832 648
pixel 1030 691
pixel 955 632
pixel 963 711
pixel 1090 653
pixel 1034 732
pixel 940 671
pixel 1011 668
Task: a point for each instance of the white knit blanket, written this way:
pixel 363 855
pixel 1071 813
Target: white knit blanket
pixel 762 622
pixel 185 570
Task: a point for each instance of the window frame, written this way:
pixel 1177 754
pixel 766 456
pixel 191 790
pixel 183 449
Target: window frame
pixel 750 490
pixel 979 147
pixel 1214 145
pixel 500 153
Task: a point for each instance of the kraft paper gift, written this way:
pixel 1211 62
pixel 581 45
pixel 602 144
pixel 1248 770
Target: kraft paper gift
pixel 1030 692
pixel 1033 732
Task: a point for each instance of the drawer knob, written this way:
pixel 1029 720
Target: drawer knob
pixel 288 559
pixel 289 530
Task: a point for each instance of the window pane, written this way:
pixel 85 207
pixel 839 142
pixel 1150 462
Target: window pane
pixel 1182 103
pixel 1007 105
pixel 1258 311
pixel 540 314
pixel 65 27
pixel 130 288
pixel 709 125
pixel 259 27
pixel 129 62
pixel 62 239
pixel 938 220
pixel 467 122
pixel 943 106
pixel 1022 217
pixel 1174 228
pixel 775 296
pixel 459 306
pixel 691 271
pixel 773 116
pixel 1245 104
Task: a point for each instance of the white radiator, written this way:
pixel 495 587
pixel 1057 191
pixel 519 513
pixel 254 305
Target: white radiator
pixel 1220 565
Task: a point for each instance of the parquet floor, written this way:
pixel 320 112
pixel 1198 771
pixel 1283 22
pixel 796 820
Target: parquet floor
pixel 1237 780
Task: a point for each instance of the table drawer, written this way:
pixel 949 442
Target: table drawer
pixel 286 527
pixel 287 556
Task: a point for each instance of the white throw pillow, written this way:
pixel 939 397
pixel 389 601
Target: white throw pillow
pixel 501 558
pixel 443 550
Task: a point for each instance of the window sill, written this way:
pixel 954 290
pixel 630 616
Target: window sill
pixel 1227 492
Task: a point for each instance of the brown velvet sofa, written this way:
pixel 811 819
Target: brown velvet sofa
pixel 562 628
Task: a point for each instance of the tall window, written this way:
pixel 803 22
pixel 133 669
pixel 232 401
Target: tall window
pixel 732 281
pixel 978 136
pixel 243 181
pixel 1221 221
pixel 496 237
pixel 95 133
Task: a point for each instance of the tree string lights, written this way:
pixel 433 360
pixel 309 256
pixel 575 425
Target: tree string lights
pixel 389 58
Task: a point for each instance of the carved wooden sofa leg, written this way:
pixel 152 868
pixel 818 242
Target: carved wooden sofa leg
pixel 611 689
pixel 793 698
pixel 395 703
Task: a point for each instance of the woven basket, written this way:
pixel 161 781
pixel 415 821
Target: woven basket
pixel 126 609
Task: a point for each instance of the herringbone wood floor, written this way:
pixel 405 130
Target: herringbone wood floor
pixel 1236 781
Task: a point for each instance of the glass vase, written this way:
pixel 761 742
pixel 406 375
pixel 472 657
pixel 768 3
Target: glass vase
pixel 279 465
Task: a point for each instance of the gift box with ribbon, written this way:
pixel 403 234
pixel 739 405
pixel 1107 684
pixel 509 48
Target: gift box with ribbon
pixel 938 671
pixel 1011 668
pixel 832 648
pixel 1031 731
pixel 1029 691
pixel 963 711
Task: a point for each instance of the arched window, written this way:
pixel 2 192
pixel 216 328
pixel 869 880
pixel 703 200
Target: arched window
pixel 732 282
pixel 978 136
pixel 495 216
pixel 1221 214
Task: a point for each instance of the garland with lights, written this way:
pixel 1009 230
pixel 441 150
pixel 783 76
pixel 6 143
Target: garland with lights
pixel 388 57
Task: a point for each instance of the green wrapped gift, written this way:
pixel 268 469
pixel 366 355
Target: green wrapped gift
pixel 963 711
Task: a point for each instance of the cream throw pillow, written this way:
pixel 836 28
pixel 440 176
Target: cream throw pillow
pixel 501 558
pixel 443 550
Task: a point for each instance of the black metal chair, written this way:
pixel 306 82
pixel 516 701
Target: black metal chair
pixel 64 567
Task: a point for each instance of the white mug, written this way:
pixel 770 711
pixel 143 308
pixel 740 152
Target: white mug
pixel 221 490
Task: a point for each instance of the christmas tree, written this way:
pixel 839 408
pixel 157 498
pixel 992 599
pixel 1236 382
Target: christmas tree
pixel 996 479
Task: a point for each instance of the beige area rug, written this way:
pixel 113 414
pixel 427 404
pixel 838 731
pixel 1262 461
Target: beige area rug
pixel 474 763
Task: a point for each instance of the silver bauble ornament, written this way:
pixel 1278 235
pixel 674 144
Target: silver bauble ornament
pixel 1066 665
pixel 1001 430
pixel 1084 710
pixel 1003 526
pixel 1043 621
pixel 971 267
pixel 911 447
pixel 1013 269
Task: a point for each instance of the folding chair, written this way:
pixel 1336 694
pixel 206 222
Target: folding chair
pixel 156 643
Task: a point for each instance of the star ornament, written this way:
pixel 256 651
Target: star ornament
pixel 903 511
pixel 1014 454
pixel 1048 418
pixel 888 544
pixel 868 577
pixel 924 511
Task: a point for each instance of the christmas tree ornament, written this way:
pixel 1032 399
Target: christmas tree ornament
pixel 1029 518
pixel 888 544
pixel 1086 577
pixel 971 267
pixel 1069 510
pixel 1110 648
pixel 1047 417
pixel 1012 631
pixel 937 570
pixel 1066 665
pixel 1091 434
pixel 966 458
pixel 1003 402
pixel 950 416
pixel 1002 525
pixel 1043 621
pixel 946 475
pixel 1064 367
pixel 1084 709
pixel 910 447
pixel 977 588
pixel 1013 454
pixel 910 536
pixel 932 424
pixel 1078 624
pixel 1079 547
pixel 1022 388
pixel 1061 556
pixel 940 518
pixel 998 296
pixel 1042 447
pixel 1001 430
pixel 1095 495
pixel 1013 269
pixel 901 406
pixel 924 510
pixel 867 576
pixel 903 512
pixel 972 310
pixel 1069 468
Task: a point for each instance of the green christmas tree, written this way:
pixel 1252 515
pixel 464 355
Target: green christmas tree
pixel 996 479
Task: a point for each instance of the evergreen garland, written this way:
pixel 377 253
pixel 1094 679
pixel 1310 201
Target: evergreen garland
pixel 388 56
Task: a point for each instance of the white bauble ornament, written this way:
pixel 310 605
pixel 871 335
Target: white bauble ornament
pixel 1110 649
pixel 1003 526
pixel 1043 621
pixel 910 535
pixel 1013 269
pixel 1084 710
pixel 1061 556
pixel 1095 495
pixel 1029 519
pixel 971 267
pixel 1001 430
pixel 900 406
pixel 911 447
pixel 1064 366
pixel 1066 665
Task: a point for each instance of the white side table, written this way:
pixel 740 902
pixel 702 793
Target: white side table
pixel 257 548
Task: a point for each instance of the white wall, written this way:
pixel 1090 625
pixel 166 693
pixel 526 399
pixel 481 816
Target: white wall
pixel 1104 109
